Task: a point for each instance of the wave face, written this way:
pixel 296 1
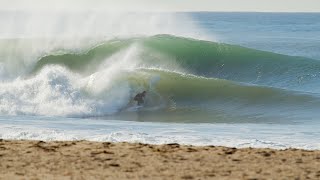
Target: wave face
pixel 201 58
pixel 187 80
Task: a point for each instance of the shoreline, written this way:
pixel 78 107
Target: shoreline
pixel 101 160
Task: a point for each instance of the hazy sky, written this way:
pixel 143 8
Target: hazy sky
pixel 167 5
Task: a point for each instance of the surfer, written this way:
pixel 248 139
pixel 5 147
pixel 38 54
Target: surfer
pixel 140 97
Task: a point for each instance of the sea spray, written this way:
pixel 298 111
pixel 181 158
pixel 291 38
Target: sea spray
pixel 37 34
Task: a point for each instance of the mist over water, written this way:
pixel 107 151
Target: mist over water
pixel 27 37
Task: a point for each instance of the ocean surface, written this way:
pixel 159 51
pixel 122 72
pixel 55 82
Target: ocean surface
pixel 229 79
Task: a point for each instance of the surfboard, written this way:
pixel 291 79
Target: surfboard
pixel 134 108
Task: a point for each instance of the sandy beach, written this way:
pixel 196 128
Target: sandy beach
pixel 103 160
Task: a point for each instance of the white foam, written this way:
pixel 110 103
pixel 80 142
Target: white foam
pixel 231 135
pixel 49 92
pixel 56 91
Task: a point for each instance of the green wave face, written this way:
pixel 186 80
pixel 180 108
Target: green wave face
pixel 84 62
pixel 202 58
pixel 182 87
pixel 188 79
pixel 178 97
pixel 237 63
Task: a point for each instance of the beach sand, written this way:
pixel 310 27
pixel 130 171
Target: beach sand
pixel 103 160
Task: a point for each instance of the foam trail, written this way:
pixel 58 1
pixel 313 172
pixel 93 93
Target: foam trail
pixel 232 135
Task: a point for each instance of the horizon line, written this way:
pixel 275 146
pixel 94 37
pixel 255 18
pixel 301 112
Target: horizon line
pixel 182 11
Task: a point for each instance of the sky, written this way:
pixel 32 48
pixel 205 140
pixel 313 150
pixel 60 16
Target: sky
pixel 165 5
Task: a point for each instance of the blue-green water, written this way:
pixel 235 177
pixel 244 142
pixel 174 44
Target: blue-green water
pixel 235 79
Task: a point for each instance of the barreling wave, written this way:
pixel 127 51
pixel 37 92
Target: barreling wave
pixel 196 89
pixel 186 80
pixel 183 97
pixel 204 58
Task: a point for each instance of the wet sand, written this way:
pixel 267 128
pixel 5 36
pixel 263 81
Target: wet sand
pixel 98 160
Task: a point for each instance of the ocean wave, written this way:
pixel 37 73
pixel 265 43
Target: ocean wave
pixel 203 58
pixel 186 80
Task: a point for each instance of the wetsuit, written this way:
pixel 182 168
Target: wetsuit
pixel 139 98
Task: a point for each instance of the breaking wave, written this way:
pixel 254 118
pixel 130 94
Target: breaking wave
pixel 186 80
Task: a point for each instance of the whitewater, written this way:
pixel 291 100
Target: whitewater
pixel 230 79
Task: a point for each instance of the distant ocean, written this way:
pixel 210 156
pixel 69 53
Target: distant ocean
pixel 230 79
